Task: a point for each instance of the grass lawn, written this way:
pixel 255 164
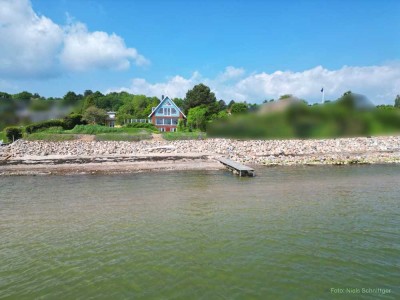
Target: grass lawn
pixel 172 136
pixel 97 129
pixel 51 137
pixel 124 136
pixel 101 133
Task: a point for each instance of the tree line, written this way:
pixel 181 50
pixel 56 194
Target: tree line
pixel 200 105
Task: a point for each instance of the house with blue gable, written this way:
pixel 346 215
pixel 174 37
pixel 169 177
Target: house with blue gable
pixel 166 115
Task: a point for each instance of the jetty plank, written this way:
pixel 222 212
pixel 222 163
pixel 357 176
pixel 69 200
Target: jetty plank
pixel 238 168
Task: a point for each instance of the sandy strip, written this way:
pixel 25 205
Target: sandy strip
pixel 108 167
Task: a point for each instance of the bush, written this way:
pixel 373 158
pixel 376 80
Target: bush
pixel 44 125
pixel 72 120
pixel 13 133
pixel 95 115
pixel 181 125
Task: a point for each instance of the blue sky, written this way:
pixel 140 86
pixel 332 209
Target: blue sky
pixel 244 50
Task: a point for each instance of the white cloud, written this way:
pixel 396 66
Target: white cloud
pixel 29 43
pixel 380 83
pixel 230 73
pixel 33 45
pixel 84 50
pixel 376 82
pixel 176 86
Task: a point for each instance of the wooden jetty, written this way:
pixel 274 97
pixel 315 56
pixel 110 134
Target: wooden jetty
pixel 237 168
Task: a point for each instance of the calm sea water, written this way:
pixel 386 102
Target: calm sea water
pixel 289 233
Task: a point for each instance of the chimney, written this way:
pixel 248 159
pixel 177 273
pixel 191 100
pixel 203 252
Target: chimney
pixel 162 97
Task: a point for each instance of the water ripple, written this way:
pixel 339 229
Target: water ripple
pixel 287 233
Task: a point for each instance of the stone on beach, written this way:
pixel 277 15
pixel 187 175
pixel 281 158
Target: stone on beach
pixel 256 152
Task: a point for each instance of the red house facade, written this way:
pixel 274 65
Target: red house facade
pixel 166 115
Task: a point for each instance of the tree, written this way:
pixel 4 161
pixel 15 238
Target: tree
pixel 253 107
pixel 151 102
pixel 179 102
pixel 107 102
pixel 239 108
pixel 222 115
pixel 23 96
pixel 4 95
pixel 140 103
pixel 270 100
pixel 71 98
pixel 386 107
pixel 397 101
pixel 92 99
pixel 286 96
pixel 87 93
pixel 355 101
pixel 222 105
pixel 197 118
pixel 94 115
pixel 199 95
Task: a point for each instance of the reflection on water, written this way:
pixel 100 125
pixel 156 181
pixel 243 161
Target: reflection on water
pixel 287 233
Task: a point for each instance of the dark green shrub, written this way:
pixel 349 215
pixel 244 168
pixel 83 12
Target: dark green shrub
pixel 43 125
pixel 72 120
pixel 13 133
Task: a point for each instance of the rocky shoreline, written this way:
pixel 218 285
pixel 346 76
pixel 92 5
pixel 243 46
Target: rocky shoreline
pixel 193 154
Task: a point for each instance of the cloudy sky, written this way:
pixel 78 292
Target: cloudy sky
pixel 244 50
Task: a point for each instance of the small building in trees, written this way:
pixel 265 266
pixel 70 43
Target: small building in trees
pixel 166 115
pixel 110 119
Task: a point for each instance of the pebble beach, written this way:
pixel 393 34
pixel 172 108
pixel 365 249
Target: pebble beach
pixel 193 153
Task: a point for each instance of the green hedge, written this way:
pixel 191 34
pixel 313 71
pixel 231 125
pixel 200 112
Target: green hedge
pixel 44 125
pixel 13 133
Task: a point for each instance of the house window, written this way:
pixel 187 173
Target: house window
pixel 167 121
pixel 175 121
pixel 159 121
pixel 173 111
pixel 162 129
pixel 167 111
pixel 173 129
pixel 161 111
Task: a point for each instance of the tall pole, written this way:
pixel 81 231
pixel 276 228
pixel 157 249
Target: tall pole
pixel 323 96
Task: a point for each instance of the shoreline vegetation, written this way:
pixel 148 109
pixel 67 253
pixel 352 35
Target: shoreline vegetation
pixel 108 157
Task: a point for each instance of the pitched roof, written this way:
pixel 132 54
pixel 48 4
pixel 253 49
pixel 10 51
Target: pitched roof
pixel 173 103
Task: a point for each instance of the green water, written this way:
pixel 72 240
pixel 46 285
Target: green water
pixel 289 233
